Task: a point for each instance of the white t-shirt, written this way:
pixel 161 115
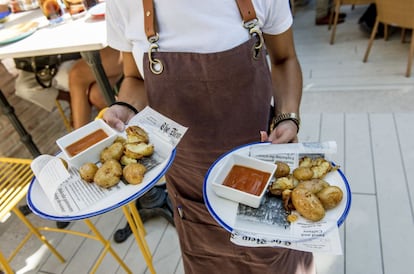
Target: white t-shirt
pixel 202 26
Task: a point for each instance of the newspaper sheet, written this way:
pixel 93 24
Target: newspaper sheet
pixel 69 194
pixel 267 225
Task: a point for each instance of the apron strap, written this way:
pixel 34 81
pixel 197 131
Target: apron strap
pixel 149 19
pixel 246 9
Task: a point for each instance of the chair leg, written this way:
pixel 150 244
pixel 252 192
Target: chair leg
pixel 331 17
pixel 4 265
pixel 65 119
pixel 410 56
pixel 386 32
pixel 36 232
pixel 337 7
pixel 403 34
pixel 371 40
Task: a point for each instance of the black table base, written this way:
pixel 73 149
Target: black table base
pixel 25 137
pixel 154 203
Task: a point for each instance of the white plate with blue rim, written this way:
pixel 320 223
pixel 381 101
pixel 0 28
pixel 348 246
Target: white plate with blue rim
pixel 224 211
pixel 39 203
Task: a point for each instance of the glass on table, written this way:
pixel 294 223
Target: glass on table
pixel 90 3
pixel 28 4
pixel 52 9
pixel 75 8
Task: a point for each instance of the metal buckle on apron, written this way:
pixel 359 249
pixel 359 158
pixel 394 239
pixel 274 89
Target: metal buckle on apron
pixel 155 64
pixel 255 31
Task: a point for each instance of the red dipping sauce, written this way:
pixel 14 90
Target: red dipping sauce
pixel 87 141
pixel 247 179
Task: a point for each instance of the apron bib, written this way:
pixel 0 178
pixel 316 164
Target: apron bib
pixel 224 100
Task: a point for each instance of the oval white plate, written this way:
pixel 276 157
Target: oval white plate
pixel 40 204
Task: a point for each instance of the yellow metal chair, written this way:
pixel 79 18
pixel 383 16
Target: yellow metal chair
pixel 15 177
pixel 66 119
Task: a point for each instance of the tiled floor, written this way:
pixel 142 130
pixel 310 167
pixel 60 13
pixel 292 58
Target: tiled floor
pixel 367 109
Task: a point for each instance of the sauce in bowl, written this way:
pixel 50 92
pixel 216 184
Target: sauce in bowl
pixel 87 141
pixel 247 179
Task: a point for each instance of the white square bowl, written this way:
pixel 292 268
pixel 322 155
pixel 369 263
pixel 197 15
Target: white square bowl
pixel 239 195
pixel 92 153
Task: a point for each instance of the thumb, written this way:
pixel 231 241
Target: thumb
pixel 119 125
pixel 263 136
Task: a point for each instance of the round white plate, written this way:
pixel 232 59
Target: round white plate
pixel 15 33
pixel 224 211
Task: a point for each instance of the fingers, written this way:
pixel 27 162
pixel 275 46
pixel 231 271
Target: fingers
pixel 263 136
pixel 284 133
pixel 116 117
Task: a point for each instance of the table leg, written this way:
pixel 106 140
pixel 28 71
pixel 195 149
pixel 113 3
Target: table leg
pixel 25 137
pixel 137 227
pixel 93 59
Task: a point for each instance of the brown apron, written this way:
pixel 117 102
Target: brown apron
pixel 223 98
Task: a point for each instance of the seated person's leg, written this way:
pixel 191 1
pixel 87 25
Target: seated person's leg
pixel 323 12
pixel 95 96
pixel 84 91
pixel 61 80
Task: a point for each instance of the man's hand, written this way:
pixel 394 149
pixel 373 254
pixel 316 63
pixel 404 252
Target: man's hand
pixel 285 132
pixel 117 116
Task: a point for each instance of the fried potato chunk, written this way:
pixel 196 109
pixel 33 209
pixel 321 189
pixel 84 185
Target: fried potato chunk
pixel 321 169
pixel 307 204
pixel 303 173
pixel 305 162
pixel 114 151
pixel 125 160
pixel 138 150
pixel 136 134
pixel 87 171
pixel 108 174
pixel 282 169
pixel 330 196
pixel 134 173
pixel 283 183
pixel 314 185
pixel 120 139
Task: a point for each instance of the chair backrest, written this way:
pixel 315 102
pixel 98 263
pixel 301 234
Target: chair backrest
pixel 396 12
pixel 15 176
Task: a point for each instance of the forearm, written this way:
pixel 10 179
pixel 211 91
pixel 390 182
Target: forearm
pixel 287 82
pixel 132 91
pixel 286 72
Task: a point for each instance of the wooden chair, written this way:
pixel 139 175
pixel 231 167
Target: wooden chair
pixel 337 7
pixel 398 13
pixel 15 177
